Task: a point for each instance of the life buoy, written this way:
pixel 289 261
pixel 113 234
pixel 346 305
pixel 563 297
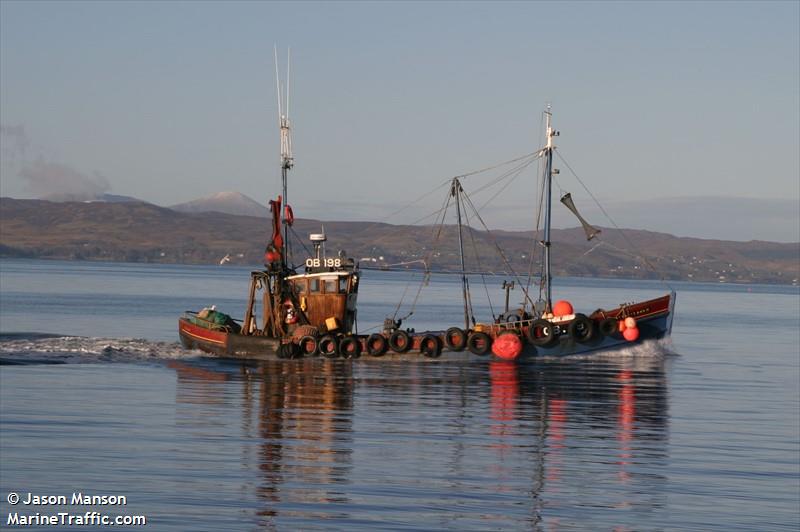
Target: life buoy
pixel 288 215
pixel 541 333
pixel 430 346
pixel 581 328
pixel 609 327
pixel 329 346
pixel 479 343
pixel 350 347
pixel 377 345
pixel 455 339
pixel 400 341
pixel 309 345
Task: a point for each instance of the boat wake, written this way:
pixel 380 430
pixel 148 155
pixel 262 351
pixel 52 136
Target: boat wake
pixel 647 350
pixel 38 348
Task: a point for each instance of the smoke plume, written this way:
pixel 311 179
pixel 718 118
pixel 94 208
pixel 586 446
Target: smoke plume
pixel 45 179
pixel 14 143
pixel 58 182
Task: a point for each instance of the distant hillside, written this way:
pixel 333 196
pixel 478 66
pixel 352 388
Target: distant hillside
pixel 226 202
pixel 141 232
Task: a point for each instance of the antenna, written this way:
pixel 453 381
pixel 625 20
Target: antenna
pixel 288 78
pixel 278 86
pixel 287 161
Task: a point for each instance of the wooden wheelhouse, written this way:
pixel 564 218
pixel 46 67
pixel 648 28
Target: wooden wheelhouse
pixel 323 299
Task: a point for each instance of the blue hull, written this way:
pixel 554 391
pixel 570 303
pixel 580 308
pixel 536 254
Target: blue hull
pixel 650 328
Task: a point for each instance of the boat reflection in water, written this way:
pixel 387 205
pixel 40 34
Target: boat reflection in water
pixel 476 445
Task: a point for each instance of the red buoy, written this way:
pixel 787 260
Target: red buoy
pixel 288 215
pixel 507 346
pixel 562 308
pixel 631 335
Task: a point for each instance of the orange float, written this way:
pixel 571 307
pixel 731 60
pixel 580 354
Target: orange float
pixel 632 334
pixel 507 346
pixel 562 308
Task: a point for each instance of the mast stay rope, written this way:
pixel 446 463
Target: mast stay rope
pixel 639 254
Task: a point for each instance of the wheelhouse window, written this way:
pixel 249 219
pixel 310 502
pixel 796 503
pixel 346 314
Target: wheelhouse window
pixel 300 286
pixel 314 288
pixel 330 286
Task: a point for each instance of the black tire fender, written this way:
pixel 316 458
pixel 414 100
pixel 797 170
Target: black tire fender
pixel 582 329
pixel 289 350
pixel 309 346
pixel 329 346
pixel 281 352
pixel 609 327
pixel 400 341
pixel 431 346
pixel 479 343
pixel 377 345
pixel 350 347
pixel 455 339
pixel 546 334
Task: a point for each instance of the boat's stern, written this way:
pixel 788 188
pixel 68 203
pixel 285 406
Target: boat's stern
pixel 194 336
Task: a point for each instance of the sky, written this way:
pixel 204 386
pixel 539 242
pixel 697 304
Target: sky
pixel 679 117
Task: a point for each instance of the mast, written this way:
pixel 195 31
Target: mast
pixel 456 191
pixel 287 160
pixel 548 182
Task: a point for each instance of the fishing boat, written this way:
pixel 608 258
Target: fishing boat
pixel 313 313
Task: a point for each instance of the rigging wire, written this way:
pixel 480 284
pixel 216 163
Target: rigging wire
pixel 513 171
pixel 429 258
pixel 539 211
pixel 297 237
pixel 445 183
pixel 514 176
pixel 426 276
pixel 507 173
pixel 497 246
pixel 402 298
pixel 413 202
pixel 510 175
pixel 536 153
pixel 624 236
pixel 524 161
pixel 480 268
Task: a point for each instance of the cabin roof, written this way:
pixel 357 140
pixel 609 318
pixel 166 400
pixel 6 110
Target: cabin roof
pixel 320 274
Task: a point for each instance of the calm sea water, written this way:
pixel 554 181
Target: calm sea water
pixel 96 396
